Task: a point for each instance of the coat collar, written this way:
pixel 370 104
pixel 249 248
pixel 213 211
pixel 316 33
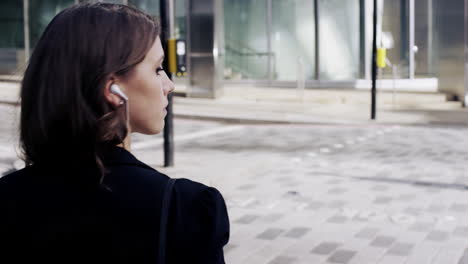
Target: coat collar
pixel 115 155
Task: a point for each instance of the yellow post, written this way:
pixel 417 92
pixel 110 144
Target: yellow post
pixel 381 56
pixel 171 49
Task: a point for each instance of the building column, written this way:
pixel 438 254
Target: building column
pixel 465 27
pixel 205 48
pixel 27 44
pixel 411 48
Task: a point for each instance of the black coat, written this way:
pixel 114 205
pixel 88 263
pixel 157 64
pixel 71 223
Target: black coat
pixel 46 216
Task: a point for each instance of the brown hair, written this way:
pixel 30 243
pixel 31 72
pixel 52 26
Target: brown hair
pixel 65 119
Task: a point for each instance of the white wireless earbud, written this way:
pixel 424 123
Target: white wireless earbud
pixel 115 89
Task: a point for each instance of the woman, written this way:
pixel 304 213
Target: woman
pixel 82 195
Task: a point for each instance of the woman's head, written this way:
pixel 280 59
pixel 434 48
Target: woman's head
pixel 147 87
pixel 67 110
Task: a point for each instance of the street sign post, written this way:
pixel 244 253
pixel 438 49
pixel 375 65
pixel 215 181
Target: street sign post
pixel 167 33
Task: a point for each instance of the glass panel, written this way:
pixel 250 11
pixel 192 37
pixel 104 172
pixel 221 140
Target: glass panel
pixel 149 6
pixel 448 46
pixel 395 25
pixel 104 1
pixel 11 37
pixel 180 33
pixel 423 30
pixel 201 25
pixel 440 46
pixel 41 13
pixel 293 39
pixel 246 40
pixel 339 39
pixel 180 20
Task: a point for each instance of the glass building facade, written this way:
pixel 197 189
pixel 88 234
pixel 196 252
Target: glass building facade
pixel 282 41
pixel 12 36
pixel 271 39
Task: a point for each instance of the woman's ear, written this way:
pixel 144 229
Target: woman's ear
pixel 111 98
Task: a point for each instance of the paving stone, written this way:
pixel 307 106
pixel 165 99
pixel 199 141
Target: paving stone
pixel 325 248
pixel 297 232
pixel 401 249
pixel 247 219
pixel 315 205
pixel 461 231
pixel 437 235
pixel 459 207
pixel 337 219
pixel 342 256
pixel 383 200
pixel 382 241
pixel 367 233
pixel 272 217
pixel 421 227
pixel 270 233
pixel 283 260
pixel 336 204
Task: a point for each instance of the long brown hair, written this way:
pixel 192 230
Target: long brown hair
pixel 65 119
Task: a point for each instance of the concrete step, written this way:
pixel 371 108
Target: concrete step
pixel 11 78
pixel 238 110
pixel 449 105
pixel 334 96
pixel 226 104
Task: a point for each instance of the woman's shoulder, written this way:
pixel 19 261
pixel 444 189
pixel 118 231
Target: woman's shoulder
pixel 199 224
pixel 195 203
pixel 195 192
pixel 12 182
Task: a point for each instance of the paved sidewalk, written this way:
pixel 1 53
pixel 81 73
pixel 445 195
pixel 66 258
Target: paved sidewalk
pixel 351 194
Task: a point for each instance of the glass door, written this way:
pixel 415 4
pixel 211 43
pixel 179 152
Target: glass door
pixel 411 26
pixel 246 40
pixel 423 37
pixel 339 39
pixel 395 36
pixel 292 40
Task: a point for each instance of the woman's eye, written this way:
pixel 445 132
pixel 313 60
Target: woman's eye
pixel 158 70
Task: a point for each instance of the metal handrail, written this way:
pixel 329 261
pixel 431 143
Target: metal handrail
pixel 241 53
pixel 244 67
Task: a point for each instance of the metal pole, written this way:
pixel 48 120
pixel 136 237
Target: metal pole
pixel 362 30
pixel 167 25
pixel 411 39
pixel 27 45
pixel 395 76
pixel 188 52
pixel 368 39
pixel 374 64
pixel 465 101
pixel 430 36
pixel 269 45
pixel 317 40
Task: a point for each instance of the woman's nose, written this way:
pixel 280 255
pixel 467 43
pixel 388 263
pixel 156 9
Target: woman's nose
pixel 169 86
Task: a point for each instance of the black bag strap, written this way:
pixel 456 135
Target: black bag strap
pixel 164 215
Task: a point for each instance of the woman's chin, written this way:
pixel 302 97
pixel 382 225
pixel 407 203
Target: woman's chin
pixel 150 130
pixel 156 129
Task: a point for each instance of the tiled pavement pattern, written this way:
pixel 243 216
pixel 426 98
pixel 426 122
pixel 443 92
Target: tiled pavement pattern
pixel 9 123
pixel 336 194
pixel 301 194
